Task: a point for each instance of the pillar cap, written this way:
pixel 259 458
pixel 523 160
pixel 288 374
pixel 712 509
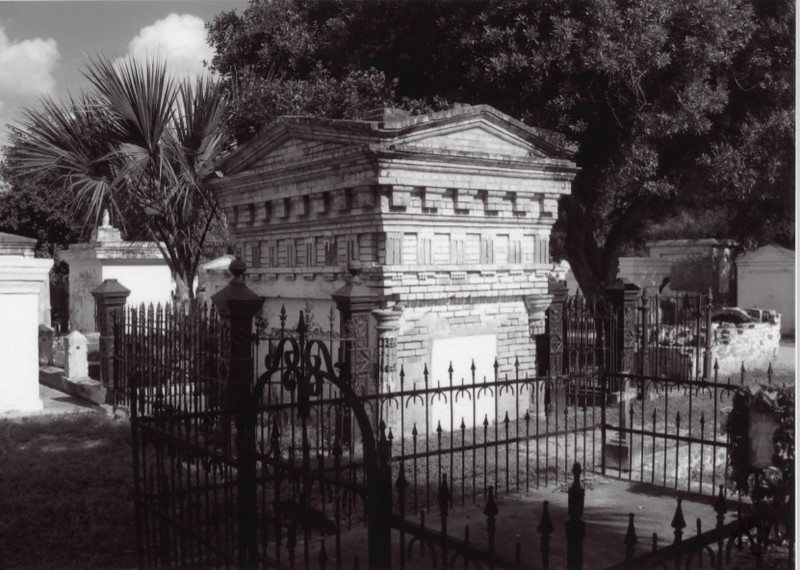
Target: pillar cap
pixel 355 291
pixel 110 289
pixel 236 296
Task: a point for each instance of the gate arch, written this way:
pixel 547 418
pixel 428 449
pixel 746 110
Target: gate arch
pixel 302 366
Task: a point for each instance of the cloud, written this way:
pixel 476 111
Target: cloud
pixel 26 71
pixel 180 39
pixel 26 67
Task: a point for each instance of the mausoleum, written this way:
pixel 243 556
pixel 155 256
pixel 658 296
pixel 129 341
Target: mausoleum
pixel 446 217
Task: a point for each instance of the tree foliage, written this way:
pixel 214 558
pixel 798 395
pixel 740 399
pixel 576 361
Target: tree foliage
pixel 36 209
pixel 676 107
pixel 139 144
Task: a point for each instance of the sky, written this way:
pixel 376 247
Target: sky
pixel 44 46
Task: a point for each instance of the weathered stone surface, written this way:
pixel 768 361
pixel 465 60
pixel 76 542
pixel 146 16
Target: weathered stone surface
pixel 77 364
pixel 448 214
pixel 139 266
pixel 22 280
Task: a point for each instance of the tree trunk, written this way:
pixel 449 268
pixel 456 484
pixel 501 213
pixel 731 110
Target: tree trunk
pixel 183 292
pixel 592 267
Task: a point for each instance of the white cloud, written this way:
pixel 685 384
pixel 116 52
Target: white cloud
pixel 26 66
pixel 26 71
pixel 180 39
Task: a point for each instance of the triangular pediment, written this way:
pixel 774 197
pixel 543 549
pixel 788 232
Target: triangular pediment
pixel 478 131
pixel 478 137
pixel 294 150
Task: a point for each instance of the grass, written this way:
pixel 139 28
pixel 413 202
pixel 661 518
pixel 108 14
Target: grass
pixel 67 499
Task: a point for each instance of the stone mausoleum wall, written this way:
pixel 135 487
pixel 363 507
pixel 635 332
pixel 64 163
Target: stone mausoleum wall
pixel 446 218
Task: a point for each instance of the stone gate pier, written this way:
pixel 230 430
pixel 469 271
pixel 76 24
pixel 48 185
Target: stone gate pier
pixel 23 280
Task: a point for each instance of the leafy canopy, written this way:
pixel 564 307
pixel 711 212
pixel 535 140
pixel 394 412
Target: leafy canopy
pixel 677 108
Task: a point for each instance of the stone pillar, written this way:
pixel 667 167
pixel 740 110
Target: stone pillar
pixel 537 307
pixel 237 305
pixel 109 299
pixel 355 302
pixel 622 299
pixel 388 323
pixel 21 279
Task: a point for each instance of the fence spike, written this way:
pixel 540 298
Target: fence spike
pixel 425 372
pixel 450 370
pixel 630 539
pixel 678 522
pixel 439 428
pixel 463 426
pixel 506 421
pixel 402 483
pixel 741 372
pixel 402 377
pixel 486 420
pixel 414 432
pixel 472 367
pixel 769 373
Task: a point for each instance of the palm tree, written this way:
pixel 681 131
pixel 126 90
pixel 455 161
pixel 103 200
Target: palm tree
pixel 140 144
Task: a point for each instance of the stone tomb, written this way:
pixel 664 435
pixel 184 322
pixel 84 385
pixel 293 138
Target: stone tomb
pixel 138 265
pixel 447 216
pixel 23 278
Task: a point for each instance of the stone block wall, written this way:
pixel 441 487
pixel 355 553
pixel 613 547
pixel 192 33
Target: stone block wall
pixel 755 344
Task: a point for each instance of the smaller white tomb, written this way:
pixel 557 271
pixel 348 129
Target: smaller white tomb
pixel 766 280
pixel 139 266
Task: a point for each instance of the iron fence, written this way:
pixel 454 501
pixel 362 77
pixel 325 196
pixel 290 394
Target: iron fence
pixel 288 465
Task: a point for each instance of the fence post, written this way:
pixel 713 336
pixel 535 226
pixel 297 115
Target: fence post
pixel 445 498
pixel 536 307
pixel 720 507
pixel 237 305
pixel 554 327
pixel 630 540
pixel 707 364
pixel 678 523
pixel 109 299
pixel 491 510
pixel 355 301
pixel 545 528
pixel 621 296
pixel 574 526
pixel 379 505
